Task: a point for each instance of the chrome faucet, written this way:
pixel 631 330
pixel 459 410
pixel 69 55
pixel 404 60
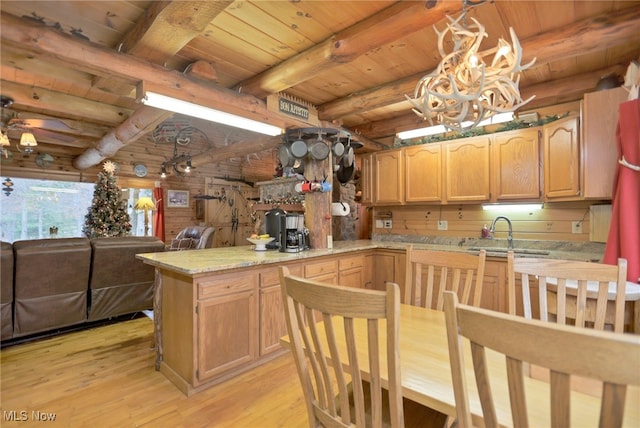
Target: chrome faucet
pixel 510 236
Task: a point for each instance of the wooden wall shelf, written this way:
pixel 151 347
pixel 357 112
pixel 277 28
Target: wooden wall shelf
pixel 286 207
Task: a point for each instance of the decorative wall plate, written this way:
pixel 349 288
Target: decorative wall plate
pixel 140 170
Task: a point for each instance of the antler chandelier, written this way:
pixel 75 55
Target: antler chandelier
pixel 469 86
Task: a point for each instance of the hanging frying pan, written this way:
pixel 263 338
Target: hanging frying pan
pixel 338 148
pixel 345 173
pixel 299 149
pixel 319 150
pixel 349 156
pixel 284 156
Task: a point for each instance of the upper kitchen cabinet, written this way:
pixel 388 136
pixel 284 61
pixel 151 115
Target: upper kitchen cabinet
pixel 467 170
pixel 598 142
pixel 388 186
pixel 561 159
pixel 366 178
pixel 515 165
pixel 423 173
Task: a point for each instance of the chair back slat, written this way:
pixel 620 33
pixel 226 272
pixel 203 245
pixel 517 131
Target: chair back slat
pixel 321 321
pixel 560 399
pixel 425 270
pixel 565 351
pixel 569 291
pixel 515 375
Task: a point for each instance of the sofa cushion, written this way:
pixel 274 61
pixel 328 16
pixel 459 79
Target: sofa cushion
pixel 121 284
pixel 51 283
pixel 6 292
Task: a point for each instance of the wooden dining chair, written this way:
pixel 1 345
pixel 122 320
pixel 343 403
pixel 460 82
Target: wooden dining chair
pixel 566 351
pixel 329 358
pixel 430 273
pixel 563 293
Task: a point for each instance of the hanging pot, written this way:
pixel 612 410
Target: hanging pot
pixel 298 166
pixel 349 156
pixel 284 156
pixel 319 150
pixel 299 149
pixel 338 149
pixel 345 173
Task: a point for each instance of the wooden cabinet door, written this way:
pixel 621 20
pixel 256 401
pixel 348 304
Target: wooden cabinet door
pixel 561 159
pixel 366 178
pixel 389 177
pixel 598 141
pixel 467 170
pixel 383 269
pixel 387 265
pixel 272 320
pixel 351 271
pixel 423 173
pixel 352 278
pixel 515 165
pixel 226 333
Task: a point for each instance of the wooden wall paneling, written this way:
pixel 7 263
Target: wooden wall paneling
pixel 553 222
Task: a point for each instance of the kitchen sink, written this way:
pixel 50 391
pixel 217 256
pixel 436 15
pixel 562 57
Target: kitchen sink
pixel 523 251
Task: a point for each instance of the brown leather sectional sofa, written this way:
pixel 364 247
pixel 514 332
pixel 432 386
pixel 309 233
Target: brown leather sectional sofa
pixel 48 284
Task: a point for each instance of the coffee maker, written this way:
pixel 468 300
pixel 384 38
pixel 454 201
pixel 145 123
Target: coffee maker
pixel 274 227
pixel 294 237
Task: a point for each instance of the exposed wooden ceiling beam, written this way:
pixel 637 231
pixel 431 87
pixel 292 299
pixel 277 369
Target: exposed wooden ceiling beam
pixel 589 35
pixel 392 23
pixel 138 124
pixel 49 102
pixel 101 61
pixel 165 29
pixel 93 59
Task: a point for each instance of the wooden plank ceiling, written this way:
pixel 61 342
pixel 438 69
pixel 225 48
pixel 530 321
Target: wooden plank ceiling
pixel 72 67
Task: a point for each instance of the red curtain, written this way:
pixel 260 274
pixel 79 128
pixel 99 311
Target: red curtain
pixel 624 232
pixel 158 214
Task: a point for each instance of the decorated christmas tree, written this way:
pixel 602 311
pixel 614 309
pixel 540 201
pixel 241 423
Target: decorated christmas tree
pixel 107 215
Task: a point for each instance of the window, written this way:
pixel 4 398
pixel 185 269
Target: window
pixel 36 207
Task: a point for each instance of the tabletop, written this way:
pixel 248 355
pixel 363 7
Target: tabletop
pixel 426 375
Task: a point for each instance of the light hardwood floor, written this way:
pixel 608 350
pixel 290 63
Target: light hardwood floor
pixel 104 377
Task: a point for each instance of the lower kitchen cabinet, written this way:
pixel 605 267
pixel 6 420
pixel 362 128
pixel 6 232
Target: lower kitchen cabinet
pixel 272 323
pixel 494 288
pixel 228 320
pixel 325 270
pixel 351 271
pixel 385 266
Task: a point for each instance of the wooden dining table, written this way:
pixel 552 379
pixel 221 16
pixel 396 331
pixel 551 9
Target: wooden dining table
pixel 426 375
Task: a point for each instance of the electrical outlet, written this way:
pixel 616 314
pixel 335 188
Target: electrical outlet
pixel 443 225
pixel 576 227
pixel 388 224
pixel 379 224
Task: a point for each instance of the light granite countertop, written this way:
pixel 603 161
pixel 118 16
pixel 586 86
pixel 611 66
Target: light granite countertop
pixel 194 262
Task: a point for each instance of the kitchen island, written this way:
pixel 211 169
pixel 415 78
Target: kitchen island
pixel 218 311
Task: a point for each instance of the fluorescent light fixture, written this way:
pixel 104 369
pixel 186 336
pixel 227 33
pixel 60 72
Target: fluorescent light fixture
pixel 421 132
pixel 441 129
pixel 497 118
pixel 512 208
pixel 183 107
